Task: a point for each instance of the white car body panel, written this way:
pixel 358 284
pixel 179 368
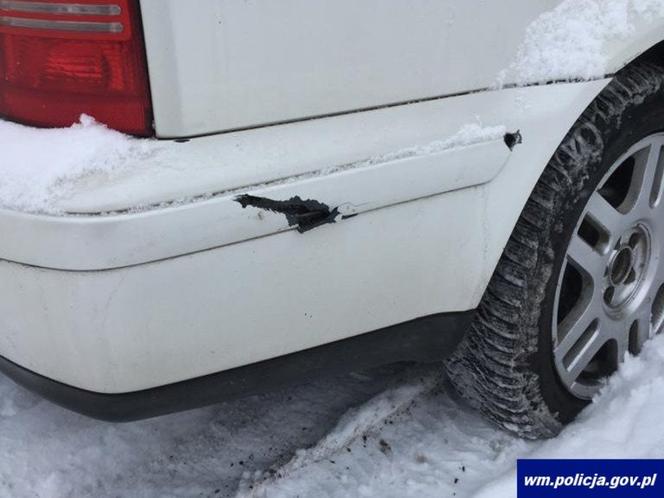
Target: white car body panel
pixel 226 64
pixel 265 63
pixel 150 324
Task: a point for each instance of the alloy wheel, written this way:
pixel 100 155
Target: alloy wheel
pixel 610 294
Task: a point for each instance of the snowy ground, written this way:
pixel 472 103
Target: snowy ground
pixel 437 447
pixel 49 452
pixel 391 432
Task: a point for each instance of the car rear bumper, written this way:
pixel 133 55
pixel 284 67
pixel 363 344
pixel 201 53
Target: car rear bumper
pixel 134 288
pixel 142 326
pixel 419 340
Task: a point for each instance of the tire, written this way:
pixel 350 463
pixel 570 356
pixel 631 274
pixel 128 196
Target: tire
pixel 505 365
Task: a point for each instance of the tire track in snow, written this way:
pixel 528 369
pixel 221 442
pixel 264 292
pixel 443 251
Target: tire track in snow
pixel 435 446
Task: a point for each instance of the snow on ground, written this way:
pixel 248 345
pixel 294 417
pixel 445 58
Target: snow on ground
pixel 49 452
pixel 406 437
pixel 435 446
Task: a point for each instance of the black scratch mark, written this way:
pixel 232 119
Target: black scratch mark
pixel 513 139
pixel 304 214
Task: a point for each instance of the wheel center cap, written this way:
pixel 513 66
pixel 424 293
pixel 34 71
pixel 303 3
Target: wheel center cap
pixel 621 266
pixel 627 267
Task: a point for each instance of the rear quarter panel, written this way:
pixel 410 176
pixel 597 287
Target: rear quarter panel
pixel 217 65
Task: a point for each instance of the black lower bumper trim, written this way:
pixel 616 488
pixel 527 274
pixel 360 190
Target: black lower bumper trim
pixel 426 339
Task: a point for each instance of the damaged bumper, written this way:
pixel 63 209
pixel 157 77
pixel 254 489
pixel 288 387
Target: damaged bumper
pixel 231 250
pixel 103 234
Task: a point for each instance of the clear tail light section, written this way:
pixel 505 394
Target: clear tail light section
pixel 61 59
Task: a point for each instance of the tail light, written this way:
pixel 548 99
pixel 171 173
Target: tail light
pixel 60 59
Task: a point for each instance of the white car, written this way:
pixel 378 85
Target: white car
pixel 336 184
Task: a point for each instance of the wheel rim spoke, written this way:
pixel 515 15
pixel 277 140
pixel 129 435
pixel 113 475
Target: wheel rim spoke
pixel 641 329
pixel 647 179
pixel 656 306
pixel 611 220
pixel 584 257
pixel 659 273
pixel 585 354
pixel 622 339
pixel 573 328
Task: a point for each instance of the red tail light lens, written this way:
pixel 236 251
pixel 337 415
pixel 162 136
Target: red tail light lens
pixel 61 59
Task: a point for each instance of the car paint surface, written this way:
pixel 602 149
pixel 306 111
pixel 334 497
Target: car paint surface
pixel 226 64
